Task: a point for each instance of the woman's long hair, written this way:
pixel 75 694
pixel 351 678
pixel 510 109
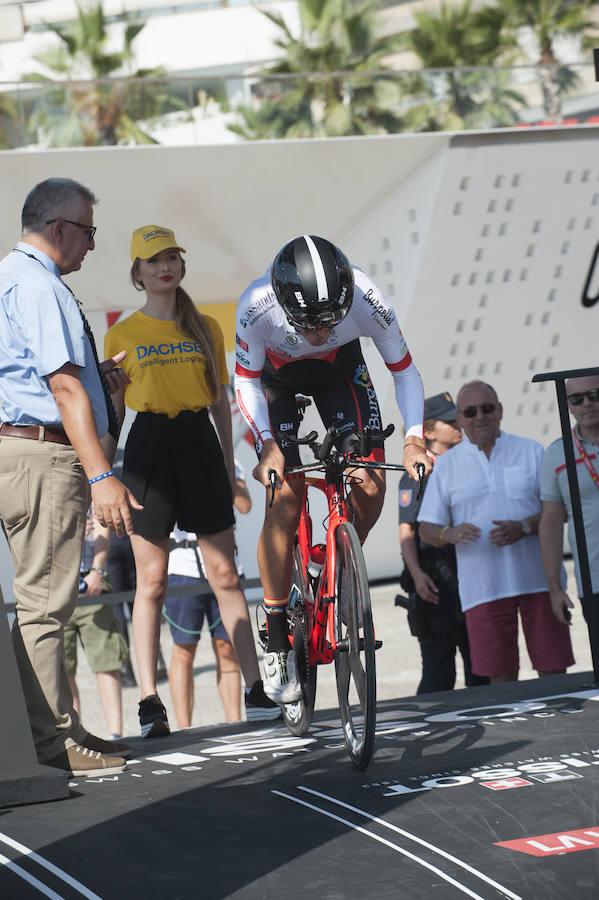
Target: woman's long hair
pixel 190 322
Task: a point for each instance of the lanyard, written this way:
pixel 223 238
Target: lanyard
pixel 584 457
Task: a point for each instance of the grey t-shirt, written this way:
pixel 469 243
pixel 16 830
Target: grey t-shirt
pixel 555 489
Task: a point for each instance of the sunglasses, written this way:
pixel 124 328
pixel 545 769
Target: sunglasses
pixel 576 399
pixel 90 229
pixel 486 408
pixel 328 321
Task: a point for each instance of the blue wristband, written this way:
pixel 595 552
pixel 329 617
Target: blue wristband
pixel 100 477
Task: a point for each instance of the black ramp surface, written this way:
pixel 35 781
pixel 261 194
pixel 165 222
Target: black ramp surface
pixel 488 792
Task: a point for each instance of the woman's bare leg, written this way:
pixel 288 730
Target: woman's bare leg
pixel 109 689
pixel 228 678
pixel 218 552
pixel 151 561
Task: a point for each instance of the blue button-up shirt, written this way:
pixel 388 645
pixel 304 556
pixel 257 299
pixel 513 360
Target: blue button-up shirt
pixel 40 330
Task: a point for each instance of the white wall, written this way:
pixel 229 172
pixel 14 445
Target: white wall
pixel 481 242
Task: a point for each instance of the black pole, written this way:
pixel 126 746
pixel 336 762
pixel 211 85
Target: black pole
pixel 589 607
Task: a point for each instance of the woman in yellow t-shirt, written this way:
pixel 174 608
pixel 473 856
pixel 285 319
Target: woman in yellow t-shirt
pixel 174 463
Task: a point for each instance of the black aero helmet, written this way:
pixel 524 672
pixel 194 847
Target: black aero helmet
pixel 313 281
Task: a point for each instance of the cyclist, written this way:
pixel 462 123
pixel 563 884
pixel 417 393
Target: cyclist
pixel 298 331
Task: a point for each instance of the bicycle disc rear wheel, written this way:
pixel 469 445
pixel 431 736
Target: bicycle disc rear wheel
pixel 355 666
pixel 298 715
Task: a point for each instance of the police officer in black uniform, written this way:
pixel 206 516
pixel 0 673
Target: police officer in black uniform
pixel 430 573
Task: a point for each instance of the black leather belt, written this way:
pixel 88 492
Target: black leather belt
pixel 36 433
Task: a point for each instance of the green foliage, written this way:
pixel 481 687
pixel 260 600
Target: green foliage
pixel 89 112
pixel 548 20
pixel 8 118
pixel 465 92
pixel 336 36
pixel 460 46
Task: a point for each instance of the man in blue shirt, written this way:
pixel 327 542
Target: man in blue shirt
pixel 54 409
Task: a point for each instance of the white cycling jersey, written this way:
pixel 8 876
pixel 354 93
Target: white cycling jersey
pixel 264 331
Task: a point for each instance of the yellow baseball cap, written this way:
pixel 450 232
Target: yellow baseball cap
pixel 149 240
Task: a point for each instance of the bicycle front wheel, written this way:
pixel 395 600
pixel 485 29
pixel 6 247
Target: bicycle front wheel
pixel 355 666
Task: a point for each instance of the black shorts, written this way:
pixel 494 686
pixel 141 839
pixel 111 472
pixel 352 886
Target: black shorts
pixel 342 391
pixel 175 468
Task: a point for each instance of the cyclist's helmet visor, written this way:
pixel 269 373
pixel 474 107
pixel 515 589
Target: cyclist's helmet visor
pixel 313 282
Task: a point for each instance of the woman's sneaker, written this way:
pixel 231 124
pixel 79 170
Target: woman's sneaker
pixel 258 707
pixel 281 683
pixel 152 717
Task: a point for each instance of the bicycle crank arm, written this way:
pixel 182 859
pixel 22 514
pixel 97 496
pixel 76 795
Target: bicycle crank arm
pixel 343 646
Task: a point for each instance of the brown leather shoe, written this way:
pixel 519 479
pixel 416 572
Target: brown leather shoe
pixel 112 748
pixel 81 761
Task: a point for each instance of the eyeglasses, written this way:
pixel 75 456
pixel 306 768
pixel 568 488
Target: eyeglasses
pixel 486 408
pixel 576 399
pixel 90 229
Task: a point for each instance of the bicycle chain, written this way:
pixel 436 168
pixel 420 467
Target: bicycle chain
pixel 299 621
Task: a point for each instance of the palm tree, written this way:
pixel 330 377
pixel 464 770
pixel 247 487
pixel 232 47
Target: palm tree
pixel 9 117
pixel 547 21
pixel 464 92
pixel 100 112
pixel 337 36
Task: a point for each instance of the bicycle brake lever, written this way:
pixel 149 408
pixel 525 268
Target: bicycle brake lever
pixel 420 472
pixel 272 478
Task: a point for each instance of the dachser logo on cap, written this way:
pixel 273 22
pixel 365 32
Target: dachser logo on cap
pixel 148 235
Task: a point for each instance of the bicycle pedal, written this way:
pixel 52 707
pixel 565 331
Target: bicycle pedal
pixel 377 644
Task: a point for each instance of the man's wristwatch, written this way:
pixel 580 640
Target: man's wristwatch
pixel 526 529
pixel 103 573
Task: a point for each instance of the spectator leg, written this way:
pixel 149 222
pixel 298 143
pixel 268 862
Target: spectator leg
pixel 218 553
pixel 228 678
pixel 76 697
pixel 438 666
pixel 151 559
pixel 109 689
pixel 180 679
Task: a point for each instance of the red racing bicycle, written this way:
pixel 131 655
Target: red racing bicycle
pixel 329 611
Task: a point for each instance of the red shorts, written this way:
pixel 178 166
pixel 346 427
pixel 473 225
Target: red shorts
pixel 493 635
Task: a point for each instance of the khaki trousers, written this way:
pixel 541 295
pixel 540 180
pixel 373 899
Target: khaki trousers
pixel 44 497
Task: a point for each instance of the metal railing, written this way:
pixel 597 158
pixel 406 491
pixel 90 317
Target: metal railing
pixel 181 110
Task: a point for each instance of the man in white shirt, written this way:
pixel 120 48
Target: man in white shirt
pixel 484 498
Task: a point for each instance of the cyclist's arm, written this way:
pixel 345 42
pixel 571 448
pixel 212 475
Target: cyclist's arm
pixel 375 318
pixel 409 395
pixel 253 405
pixel 250 355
